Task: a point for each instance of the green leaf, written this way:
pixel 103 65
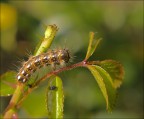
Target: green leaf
pixel 7 83
pixel 45 43
pixel 55 98
pixel 92 45
pixel 106 85
pixel 115 69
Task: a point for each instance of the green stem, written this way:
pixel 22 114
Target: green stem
pixel 41 48
pixel 80 64
pixel 13 102
pixel 47 41
pixel 9 114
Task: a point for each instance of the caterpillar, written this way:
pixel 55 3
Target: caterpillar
pixel 52 57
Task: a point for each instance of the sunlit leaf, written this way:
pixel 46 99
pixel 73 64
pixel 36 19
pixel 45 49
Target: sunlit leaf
pixel 7 83
pixel 115 69
pixel 93 43
pixel 105 83
pixel 55 98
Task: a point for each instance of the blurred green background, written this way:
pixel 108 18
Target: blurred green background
pixel 119 23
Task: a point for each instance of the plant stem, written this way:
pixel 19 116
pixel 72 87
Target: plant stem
pixel 13 102
pixel 16 101
pixel 47 40
pixel 80 64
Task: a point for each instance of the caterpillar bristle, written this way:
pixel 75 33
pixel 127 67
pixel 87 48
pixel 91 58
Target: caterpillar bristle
pixel 56 57
pixel 28 53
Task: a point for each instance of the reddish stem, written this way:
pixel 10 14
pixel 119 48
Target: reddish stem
pixel 16 101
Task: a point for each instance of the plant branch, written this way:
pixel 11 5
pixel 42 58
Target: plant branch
pixel 80 64
pixel 16 101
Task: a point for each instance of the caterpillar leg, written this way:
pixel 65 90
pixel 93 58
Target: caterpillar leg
pixel 31 85
pixel 53 66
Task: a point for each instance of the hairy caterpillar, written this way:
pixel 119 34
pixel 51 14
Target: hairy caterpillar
pixel 53 58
